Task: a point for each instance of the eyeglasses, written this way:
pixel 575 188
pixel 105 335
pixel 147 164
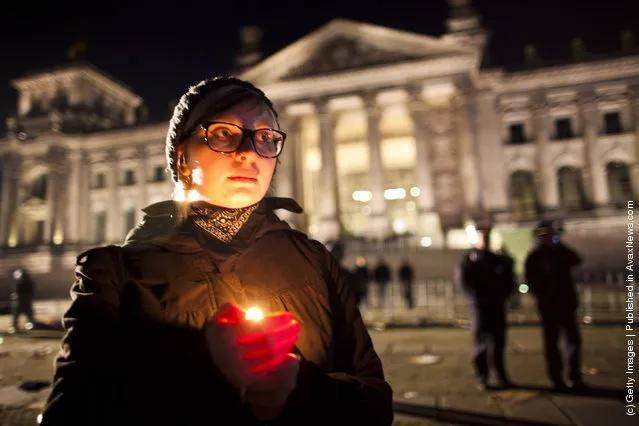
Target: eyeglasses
pixel 228 137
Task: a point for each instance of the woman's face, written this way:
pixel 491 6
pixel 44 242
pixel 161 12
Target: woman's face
pixel 238 179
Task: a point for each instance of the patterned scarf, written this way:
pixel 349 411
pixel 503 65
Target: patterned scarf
pixel 220 222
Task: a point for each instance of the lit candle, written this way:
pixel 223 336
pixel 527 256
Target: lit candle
pixel 254 314
pixel 271 336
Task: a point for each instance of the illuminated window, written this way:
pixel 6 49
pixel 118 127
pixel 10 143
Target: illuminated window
pixel 523 195
pixel 571 189
pixel 619 183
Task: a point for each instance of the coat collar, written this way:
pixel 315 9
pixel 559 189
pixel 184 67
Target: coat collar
pixel 162 224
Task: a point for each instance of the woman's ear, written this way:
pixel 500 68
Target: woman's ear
pixel 184 171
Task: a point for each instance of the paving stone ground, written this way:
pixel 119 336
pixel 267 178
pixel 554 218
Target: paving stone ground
pixel 447 387
pixel 429 370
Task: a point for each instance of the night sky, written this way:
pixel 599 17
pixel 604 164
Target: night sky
pixel 160 48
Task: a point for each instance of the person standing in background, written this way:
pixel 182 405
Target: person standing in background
pixel 363 278
pixel 22 299
pixel 548 274
pixel 407 276
pixel 487 282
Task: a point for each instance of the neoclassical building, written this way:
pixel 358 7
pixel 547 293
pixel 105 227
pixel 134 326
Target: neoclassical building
pixel 391 134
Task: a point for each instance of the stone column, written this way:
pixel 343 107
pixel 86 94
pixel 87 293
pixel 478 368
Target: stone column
pixel 546 176
pixel 329 221
pixel 84 200
pixel 6 191
pixel 285 181
pixel 18 232
pixel 74 202
pixel 57 200
pixel 594 172
pixel 10 165
pixel 114 219
pixel 490 152
pixel 379 216
pixel 467 162
pixel 52 202
pixel 60 202
pixel 429 220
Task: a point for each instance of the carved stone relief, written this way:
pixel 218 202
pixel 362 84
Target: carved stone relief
pixel 342 54
pixel 612 98
pixel 444 162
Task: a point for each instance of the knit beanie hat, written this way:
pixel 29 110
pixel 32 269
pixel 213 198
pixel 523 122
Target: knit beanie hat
pixel 211 96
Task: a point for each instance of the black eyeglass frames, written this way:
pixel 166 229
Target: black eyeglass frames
pixel 228 137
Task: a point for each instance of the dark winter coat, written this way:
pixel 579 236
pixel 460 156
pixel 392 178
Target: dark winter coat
pixel 23 288
pixel 382 274
pixel 486 279
pixel 135 353
pixel 549 276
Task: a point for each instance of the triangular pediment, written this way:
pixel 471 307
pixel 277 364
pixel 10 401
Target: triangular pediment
pixel 342 46
pixel 346 54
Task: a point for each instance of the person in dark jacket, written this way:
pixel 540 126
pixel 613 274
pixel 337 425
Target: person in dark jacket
pixel 487 282
pixel 548 274
pixel 514 301
pixel 22 300
pixel 407 276
pixel 149 339
pixel 363 279
pixel 382 275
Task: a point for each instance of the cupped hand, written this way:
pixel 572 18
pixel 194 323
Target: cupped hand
pixel 269 394
pixel 247 352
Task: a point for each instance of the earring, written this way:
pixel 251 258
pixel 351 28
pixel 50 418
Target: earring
pixel 184 173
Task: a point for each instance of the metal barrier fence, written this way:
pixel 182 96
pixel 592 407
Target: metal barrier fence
pixel 438 301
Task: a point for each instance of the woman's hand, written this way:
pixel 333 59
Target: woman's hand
pixel 247 352
pixel 268 396
pixel 222 333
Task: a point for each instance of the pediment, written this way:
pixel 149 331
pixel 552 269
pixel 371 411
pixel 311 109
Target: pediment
pixel 346 54
pixel 342 46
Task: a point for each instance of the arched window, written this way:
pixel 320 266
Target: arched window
pixel 523 195
pixel 619 183
pixel 571 189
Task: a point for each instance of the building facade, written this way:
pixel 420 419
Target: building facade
pixel 390 135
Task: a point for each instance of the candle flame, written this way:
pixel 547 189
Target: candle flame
pixel 254 314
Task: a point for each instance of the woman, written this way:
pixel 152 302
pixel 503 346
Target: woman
pixel 145 340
